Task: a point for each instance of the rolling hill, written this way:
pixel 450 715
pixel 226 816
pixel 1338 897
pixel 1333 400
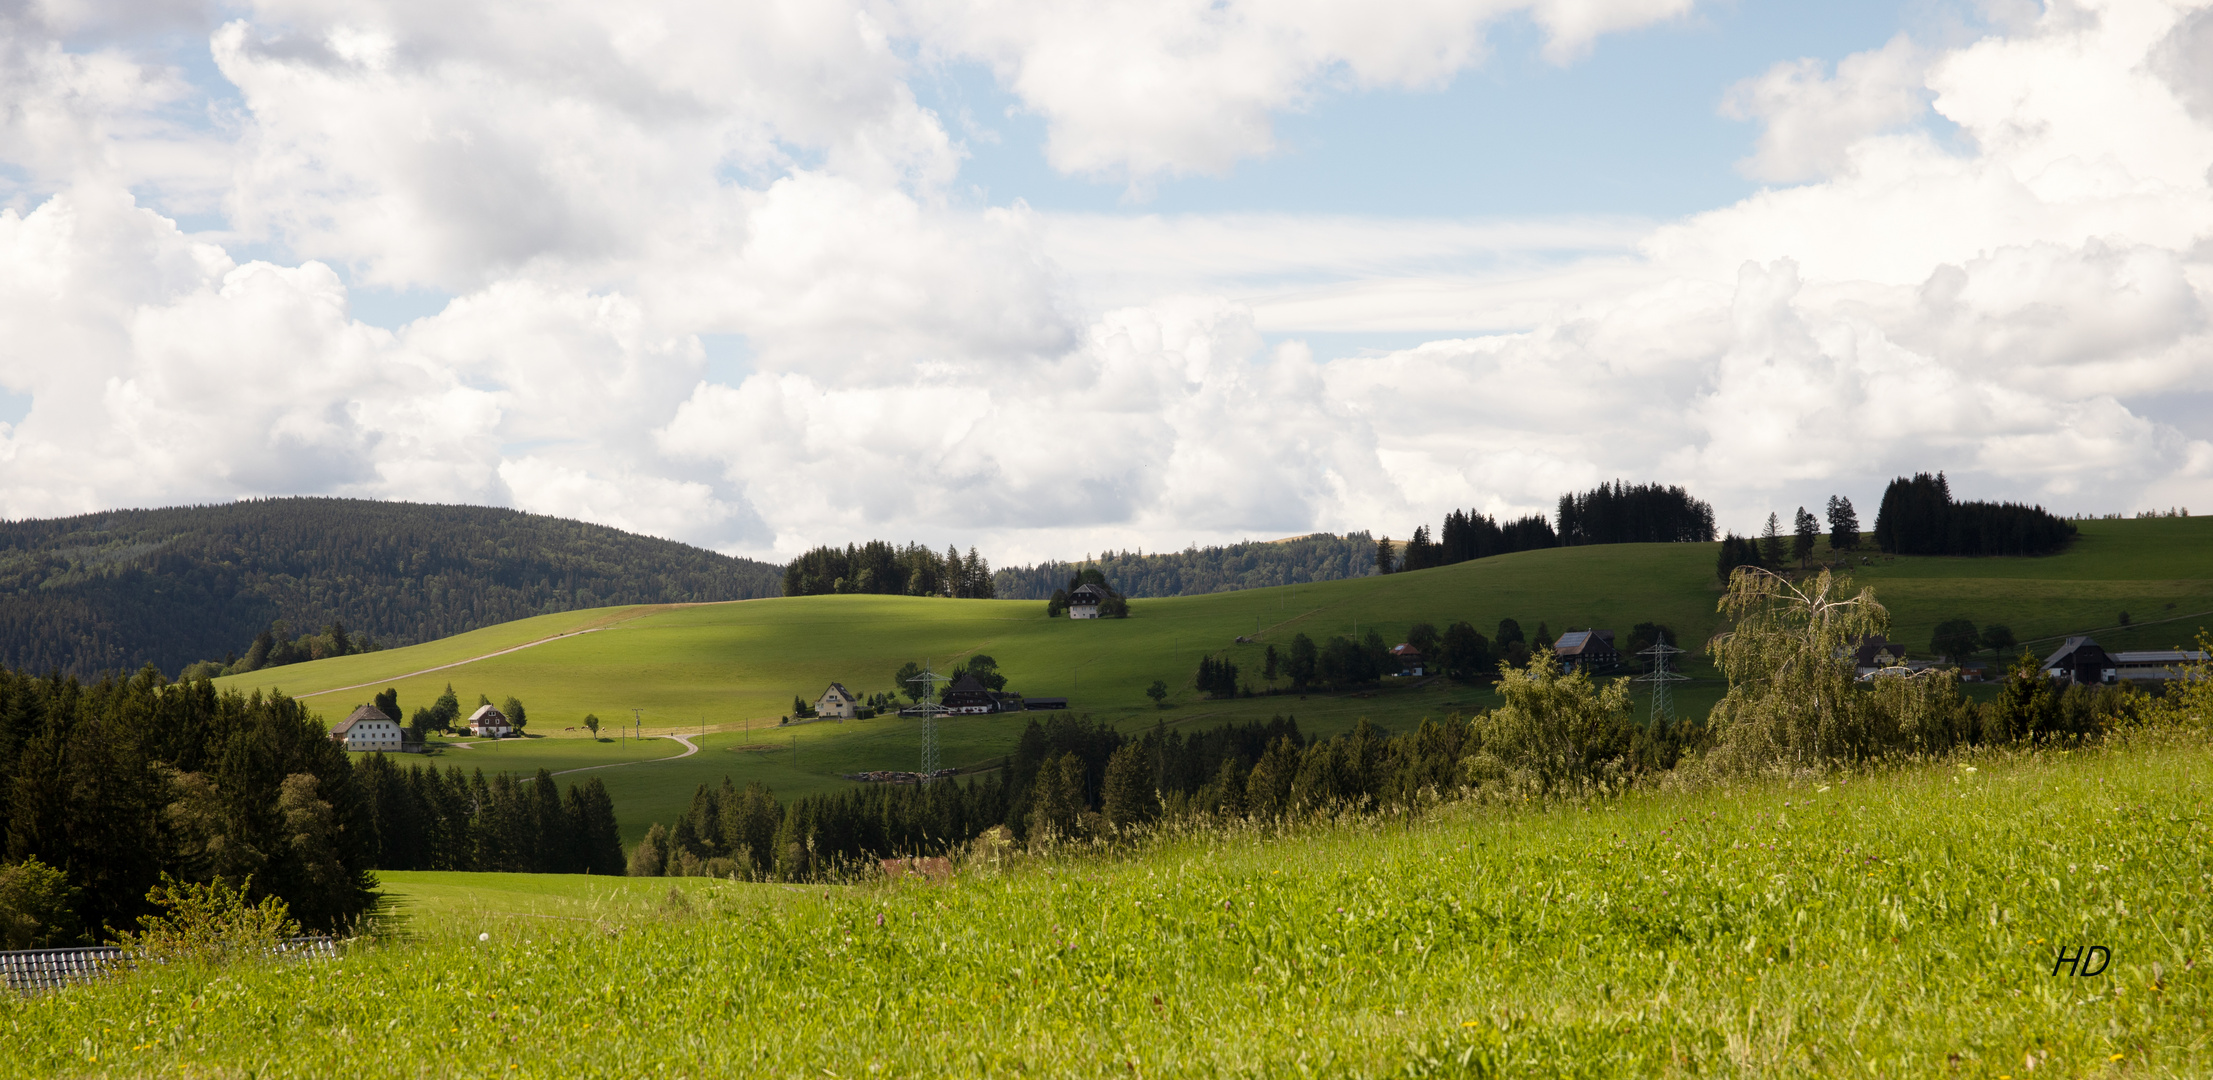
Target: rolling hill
pixel 730 670
pixel 118 590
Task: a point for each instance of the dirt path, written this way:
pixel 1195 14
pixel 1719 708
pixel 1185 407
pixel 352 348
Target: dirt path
pixel 487 656
pixel 689 750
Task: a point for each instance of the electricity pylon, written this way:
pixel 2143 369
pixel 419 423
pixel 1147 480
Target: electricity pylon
pixel 1663 698
pixel 929 710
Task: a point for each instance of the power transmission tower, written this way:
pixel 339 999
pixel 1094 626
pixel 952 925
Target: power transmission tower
pixel 929 710
pixel 1662 680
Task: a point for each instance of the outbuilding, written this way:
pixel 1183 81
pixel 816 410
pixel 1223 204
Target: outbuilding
pixel 1409 659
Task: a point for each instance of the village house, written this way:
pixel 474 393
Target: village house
pixel 368 729
pixel 489 723
pixel 1586 650
pixel 1408 658
pixel 837 703
pixel 1084 602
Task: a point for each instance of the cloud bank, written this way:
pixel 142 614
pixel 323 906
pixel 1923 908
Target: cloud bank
pixel 1993 257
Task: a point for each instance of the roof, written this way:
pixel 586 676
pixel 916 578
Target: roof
pixel 486 713
pixel 1404 651
pixel 1087 594
pixel 1575 641
pixel 366 712
pixel 2073 646
pixel 967 684
pixel 2159 656
pixel 840 692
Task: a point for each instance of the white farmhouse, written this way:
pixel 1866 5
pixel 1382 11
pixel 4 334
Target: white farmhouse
pixel 489 723
pixel 368 729
pixel 1084 602
pixel 837 702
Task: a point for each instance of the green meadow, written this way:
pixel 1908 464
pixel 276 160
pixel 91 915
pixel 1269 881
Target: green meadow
pixel 731 670
pixel 1885 922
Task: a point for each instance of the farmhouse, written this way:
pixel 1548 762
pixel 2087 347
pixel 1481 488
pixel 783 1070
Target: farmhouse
pixel 2080 660
pixel 368 729
pixel 1408 658
pixel 1586 650
pixel 489 723
pixel 837 703
pixel 1084 602
pixel 968 697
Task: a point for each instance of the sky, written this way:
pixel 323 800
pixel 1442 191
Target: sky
pixel 1052 277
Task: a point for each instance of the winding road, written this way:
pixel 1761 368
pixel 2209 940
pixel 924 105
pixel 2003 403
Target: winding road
pixel 689 749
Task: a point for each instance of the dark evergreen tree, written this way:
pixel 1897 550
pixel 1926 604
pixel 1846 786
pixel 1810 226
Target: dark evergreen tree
pixel 1771 542
pixel 1129 798
pixel 1386 556
pixel 1805 529
pixel 1844 524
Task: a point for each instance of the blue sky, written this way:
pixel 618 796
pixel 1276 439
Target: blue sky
pixel 1631 127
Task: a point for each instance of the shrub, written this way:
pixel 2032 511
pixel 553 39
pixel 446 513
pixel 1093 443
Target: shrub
pixel 207 922
pixel 1552 731
pixel 36 906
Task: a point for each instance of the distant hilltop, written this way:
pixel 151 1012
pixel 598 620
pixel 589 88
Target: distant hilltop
pixel 114 591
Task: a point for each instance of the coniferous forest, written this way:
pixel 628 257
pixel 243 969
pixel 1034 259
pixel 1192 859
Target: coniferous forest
pixel 117 590
pixel 118 782
pixel 1194 571
pixel 106 787
pixel 1918 517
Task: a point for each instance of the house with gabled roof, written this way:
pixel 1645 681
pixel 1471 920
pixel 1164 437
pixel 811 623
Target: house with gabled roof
pixel 837 703
pixel 1084 602
pixel 368 730
pixel 489 723
pixel 1586 650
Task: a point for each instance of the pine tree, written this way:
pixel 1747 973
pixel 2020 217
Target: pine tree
pixel 1268 665
pixel 1386 556
pixel 1844 524
pixel 1129 798
pixel 1805 529
pixel 1771 542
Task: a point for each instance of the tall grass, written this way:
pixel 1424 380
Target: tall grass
pixel 1883 923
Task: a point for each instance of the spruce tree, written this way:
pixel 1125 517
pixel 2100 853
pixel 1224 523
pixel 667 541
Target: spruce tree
pixel 1129 798
pixel 1844 524
pixel 1771 542
pixel 1804 530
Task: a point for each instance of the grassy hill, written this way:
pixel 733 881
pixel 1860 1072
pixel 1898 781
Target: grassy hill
pixel 117 590
pixel 1885 924
pixel 730 670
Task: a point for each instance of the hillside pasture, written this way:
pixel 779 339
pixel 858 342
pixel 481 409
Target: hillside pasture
pixel 731 670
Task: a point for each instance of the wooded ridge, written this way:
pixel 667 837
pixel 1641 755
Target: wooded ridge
pixel 116 590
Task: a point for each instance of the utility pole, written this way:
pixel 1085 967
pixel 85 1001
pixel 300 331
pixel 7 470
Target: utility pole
pixel 1663 696
pixel 637 719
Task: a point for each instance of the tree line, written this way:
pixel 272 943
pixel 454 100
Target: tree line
pixel 118 782
pixel 1615 513
pixel 112 591
pixel 1919 517
pixel 1253 564
pixel 882 569
pixel 424 819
